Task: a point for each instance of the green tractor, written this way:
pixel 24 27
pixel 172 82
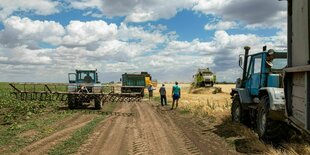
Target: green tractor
pixel 83 88
pixel 204 77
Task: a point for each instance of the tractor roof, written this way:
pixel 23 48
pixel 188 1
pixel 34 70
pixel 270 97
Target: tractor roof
pixel 204 70
pixel 86 70
pixel 278 54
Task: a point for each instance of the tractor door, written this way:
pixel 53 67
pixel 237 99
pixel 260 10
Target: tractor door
pixel 255 74
pixel 72 77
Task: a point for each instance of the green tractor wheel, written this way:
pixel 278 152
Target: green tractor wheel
pixel 71 101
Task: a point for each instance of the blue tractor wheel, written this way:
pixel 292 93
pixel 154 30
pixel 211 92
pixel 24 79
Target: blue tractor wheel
pixel 267 128
pixel 236 110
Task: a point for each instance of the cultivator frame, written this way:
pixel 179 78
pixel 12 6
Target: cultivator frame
pixel 50 93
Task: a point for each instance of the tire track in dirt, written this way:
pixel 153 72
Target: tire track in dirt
pixel 110 136
pixel 162 138
pixel 43 145
pixel 198 133
pixel 151 131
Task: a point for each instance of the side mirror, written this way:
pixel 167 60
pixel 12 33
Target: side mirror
pixel 240 61
pixel 120 79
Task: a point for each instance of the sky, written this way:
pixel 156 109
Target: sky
pixel 44 40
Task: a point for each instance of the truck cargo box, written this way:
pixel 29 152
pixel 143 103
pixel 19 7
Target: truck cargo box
pixel 297 74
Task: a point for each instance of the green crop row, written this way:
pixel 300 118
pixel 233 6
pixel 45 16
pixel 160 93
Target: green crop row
pixel 13 110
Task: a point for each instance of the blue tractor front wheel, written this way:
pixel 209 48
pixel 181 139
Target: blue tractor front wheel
pixel 267 128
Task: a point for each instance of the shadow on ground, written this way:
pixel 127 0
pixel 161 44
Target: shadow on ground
pixel 242 138
pixel 245 140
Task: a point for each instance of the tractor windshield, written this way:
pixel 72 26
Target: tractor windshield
pixel 206 73
pixel 86 77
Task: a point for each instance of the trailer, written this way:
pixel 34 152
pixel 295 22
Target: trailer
pixel 135 82
pixel 297 73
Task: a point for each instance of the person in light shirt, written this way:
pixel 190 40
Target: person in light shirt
pixel 176 95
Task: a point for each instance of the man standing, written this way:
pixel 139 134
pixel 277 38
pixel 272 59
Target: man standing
pixel 176 95
pixel 163 97
pixel 150 89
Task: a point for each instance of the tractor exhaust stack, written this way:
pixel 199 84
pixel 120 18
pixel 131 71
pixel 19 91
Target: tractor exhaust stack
pixel 246 55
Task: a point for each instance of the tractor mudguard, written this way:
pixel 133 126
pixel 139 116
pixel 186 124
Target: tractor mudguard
pixel 276 97
pixel 244 95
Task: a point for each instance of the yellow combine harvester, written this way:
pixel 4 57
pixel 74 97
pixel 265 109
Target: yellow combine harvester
pixel 148 81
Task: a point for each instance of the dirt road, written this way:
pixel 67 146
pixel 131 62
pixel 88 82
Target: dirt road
pixel 151 130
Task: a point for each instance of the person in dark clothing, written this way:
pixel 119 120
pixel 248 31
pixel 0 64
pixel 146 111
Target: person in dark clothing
pixel 163 97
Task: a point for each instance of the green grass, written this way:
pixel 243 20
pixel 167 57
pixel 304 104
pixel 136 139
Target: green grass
pixel 13 110
pixel 18 117
pixel 10 135
pixel 72 144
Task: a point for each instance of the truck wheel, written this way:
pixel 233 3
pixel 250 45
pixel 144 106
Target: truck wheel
pixel 267 128
pixel 98 104
pixel 236 110
pixel 71 101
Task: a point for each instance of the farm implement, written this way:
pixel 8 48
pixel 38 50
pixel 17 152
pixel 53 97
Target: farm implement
pixel 83 88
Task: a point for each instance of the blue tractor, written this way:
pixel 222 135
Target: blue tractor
pixel 258 99
pixel 84 87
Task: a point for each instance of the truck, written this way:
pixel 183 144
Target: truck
pixel 135 82
pixel 258 99
pixel 297 73
pixel 204 77
pixel 84 82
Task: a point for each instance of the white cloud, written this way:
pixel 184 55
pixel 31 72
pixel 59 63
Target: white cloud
pixel 139 34
pixel 136 11
pixel 24 31
pixel 116 49
pixel 23 56
pixel 259 13
pixel 92 32
pixel 221 25
pixel 40 7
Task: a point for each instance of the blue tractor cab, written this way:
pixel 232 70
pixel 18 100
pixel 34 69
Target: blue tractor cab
pixel 258 98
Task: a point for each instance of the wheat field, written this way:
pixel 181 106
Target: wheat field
pixel 201 101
